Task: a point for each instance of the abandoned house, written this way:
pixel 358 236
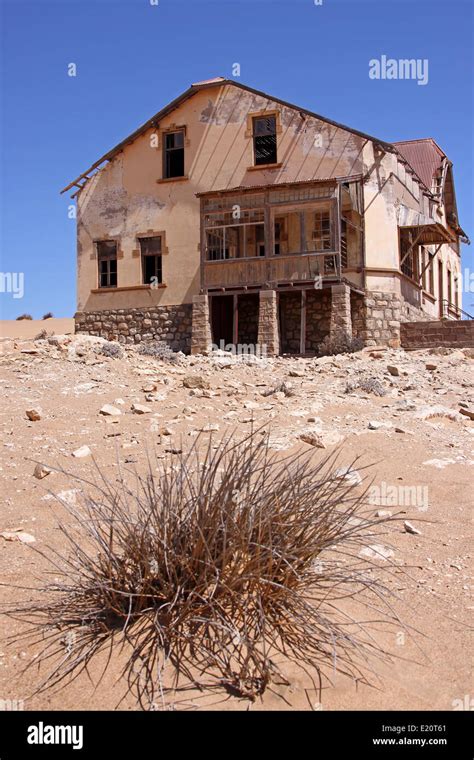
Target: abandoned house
pixel 234 216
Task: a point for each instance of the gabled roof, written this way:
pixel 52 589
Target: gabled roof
pixel 424 156
pixel 80 181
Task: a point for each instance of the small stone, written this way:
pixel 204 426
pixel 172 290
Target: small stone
pixel 383 513
pixel 209 428
pixel 375 425
pixel 140 409
pixel 18 535
pixel 41 471
pixel 431 366
pixel 352 476
pixel 409 528
pixel 34 414
pixel 196 381
pixel 83 451
pixel 467 412
pixel 393 370
pixel 376 551
pixel 166 431
pixel 110 411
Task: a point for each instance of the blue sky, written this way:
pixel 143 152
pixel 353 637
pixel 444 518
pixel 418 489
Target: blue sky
pixel 133 57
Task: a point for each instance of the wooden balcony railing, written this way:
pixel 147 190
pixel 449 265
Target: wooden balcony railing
pixel 232 273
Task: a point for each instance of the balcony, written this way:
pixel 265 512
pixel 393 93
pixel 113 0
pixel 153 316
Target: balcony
pixel 280 235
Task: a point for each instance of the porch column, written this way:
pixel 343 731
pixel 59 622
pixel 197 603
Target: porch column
pixel 268 333
pixel 201 340
pixel 341 321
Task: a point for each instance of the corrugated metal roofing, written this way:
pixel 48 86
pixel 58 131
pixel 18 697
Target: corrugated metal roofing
pixel 424 156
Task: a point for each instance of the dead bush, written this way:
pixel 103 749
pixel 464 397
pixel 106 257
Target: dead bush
pixel 220 569
pixel 24 316
pixel 340 344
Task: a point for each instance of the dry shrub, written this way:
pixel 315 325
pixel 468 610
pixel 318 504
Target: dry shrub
pixel 222 566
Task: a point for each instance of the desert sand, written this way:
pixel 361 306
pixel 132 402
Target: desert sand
pixel 418 434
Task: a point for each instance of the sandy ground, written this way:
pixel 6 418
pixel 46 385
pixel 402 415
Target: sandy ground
pixel 28 329
pixel 413 435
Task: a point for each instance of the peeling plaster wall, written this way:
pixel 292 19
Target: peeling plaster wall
pixel 124 200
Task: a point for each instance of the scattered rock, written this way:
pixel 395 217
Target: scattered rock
pixel 352 476
pixel 83 451
pixel 209 428
pixel 196 381
pixel 376 551
pixel 383 513
pixel 18 535
pixel 375 425
pixel 41 471
pixel 110 411
pixel 393 370
pixel 467 412
pixel 430 366
pixel 34 414
pixel 140 409
pixel 409 528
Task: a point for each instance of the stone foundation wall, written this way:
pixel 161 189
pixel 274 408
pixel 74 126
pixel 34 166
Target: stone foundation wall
pixel 248 320
pixel 171 324
pixel 290 322
pixel 318 318
pixel 446 332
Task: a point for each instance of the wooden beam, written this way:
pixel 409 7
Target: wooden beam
pixel 303 323
pixel 235 324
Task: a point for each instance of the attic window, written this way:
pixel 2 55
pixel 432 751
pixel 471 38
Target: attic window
pixel 265 140
pixel 173 156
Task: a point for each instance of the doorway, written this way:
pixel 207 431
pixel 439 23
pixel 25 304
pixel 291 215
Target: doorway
pixel 222 320
pixel 441 289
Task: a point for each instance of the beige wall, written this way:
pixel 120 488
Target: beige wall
pixel 126 199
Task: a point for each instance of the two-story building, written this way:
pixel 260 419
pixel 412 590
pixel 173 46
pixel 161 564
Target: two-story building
pixel 234 216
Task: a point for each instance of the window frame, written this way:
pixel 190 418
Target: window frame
pixel 107 258
pixel 144 256
pixel 255 137
pixel 166 151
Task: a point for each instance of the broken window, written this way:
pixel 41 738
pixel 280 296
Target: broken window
pixel 318 230
pixel 107 262
pixel 408 254
pixel 234 236
pixel 280 235
pixel 150 248
pixel 173 155
pixel 431 285
pixel 264 140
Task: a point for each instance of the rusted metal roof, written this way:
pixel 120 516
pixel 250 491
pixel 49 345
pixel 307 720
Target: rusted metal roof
pixel 424 156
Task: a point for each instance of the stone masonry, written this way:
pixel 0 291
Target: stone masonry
pixel 268 333
pixel 341 319
pixel 171 324
pixel 201 341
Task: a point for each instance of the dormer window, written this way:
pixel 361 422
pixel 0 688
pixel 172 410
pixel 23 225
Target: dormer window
pixel 265 140
pixel 173 154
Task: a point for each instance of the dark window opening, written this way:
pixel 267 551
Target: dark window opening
pixel 107 261
pixel 260 239
pixel 265 140
pixel 174 155
pixel 151 260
